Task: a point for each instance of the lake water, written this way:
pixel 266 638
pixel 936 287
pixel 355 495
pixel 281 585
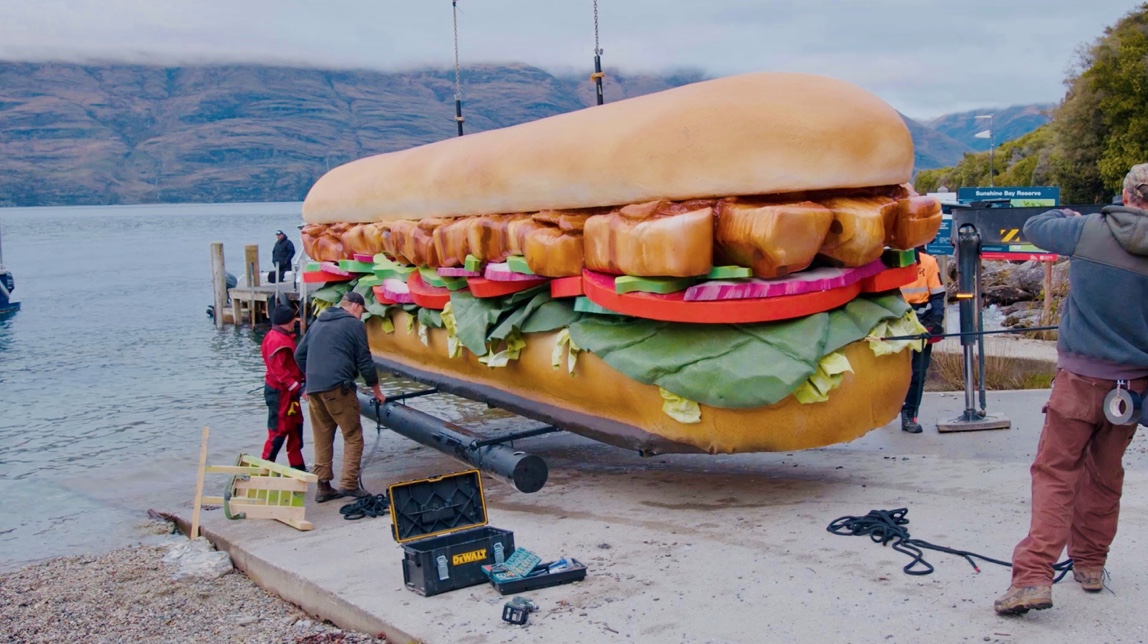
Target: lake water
pixel 112 367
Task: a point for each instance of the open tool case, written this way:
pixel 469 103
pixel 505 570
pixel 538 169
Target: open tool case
pixel 441 524
pixel 523 571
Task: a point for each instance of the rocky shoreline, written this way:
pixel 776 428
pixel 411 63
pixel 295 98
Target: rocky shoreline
pixel 132 595
pixel 1017 289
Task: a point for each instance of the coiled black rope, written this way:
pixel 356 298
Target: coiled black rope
pixel 372 506
pixel 888 527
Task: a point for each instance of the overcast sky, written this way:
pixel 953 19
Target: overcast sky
pixel 926 57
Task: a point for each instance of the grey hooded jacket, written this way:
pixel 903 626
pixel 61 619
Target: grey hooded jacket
pixel 334 351
pixel 1104 322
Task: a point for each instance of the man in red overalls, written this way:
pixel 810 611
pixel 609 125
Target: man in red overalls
pixel 282 388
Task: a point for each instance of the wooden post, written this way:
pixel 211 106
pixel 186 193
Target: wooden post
pixel 199 484
pixel 251 255
pixel 218 282
pixel 251 260
pixel 1046 312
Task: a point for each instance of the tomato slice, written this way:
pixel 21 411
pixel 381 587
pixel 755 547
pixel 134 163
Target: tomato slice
pixel 482 287
pixel 889 279
pixel 425 295
pixel 673 307
pixel 566 287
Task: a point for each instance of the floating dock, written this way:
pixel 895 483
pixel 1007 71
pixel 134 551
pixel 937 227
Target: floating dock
pixel 251 302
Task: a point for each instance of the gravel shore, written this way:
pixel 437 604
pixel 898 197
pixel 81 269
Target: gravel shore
pixel 129 595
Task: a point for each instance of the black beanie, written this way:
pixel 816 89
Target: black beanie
pixel 282 315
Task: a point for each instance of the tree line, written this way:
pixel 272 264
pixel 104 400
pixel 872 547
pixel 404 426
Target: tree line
pixel 1098 132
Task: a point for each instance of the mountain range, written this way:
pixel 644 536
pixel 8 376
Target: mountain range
pixel 75 134
pixel 1007 124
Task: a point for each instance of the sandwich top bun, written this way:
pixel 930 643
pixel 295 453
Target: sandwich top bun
pixel 753 134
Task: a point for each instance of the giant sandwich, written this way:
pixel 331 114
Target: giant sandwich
pixel 710 268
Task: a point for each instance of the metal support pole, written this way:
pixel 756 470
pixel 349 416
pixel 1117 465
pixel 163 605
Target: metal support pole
pixel 510 438
pixel 598 76
pixel 980 336
pixel 968 261
pixel 968 292
pixel 991 146
pixel 526 472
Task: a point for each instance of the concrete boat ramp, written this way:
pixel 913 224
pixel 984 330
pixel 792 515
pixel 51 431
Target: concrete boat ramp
pixel 721 548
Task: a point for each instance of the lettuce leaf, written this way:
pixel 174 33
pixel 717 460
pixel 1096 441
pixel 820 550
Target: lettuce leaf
pixel 481 323
pixel 684 411
pixel 430 318
pixel 907 324
pixel 453 346
pixel 331 293
pixel 731 365
pixel 830 372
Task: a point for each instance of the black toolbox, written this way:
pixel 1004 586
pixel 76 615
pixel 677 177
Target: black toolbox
pixel 441 524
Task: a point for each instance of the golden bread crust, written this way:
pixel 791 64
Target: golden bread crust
pixel 762 133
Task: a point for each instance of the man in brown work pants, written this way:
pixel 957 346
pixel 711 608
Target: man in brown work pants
pixel 1077 444
pixel 331 410
pixel 332 354
pixel 1077 475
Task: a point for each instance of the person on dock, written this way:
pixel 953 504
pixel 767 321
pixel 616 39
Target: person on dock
pixel 282 389
pixel 282 254
pixel 1078 473
pixel 927 297
pixel 332 354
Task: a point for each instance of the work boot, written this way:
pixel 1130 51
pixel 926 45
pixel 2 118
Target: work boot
pixel 1091 579
pixel 1019 600
pixel 324 492
pixel 358 492
pixel 909 424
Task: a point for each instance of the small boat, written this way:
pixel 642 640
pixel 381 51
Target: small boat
pixel 7 285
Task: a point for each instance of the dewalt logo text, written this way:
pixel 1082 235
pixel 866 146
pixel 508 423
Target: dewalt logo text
pixel 468 557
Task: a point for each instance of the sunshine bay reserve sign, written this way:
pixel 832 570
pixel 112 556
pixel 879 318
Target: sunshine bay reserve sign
pixel 1017 197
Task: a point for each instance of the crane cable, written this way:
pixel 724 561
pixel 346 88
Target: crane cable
pixel 597 76
pixel 457 74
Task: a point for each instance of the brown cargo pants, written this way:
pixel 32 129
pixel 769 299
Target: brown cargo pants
pixel 328 410
pixel 1077 478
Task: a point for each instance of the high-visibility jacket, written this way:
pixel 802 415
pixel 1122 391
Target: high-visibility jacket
pixel 927 296
pixel 928 282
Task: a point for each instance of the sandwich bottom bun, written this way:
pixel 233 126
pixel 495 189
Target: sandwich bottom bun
pixel 603 404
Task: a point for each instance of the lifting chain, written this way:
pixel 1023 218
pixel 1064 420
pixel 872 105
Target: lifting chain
pixel 457 74
pixel 597 76
pixel 597 49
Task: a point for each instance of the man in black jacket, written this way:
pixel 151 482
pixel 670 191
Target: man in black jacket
pixel 332 354
pixel 282 254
